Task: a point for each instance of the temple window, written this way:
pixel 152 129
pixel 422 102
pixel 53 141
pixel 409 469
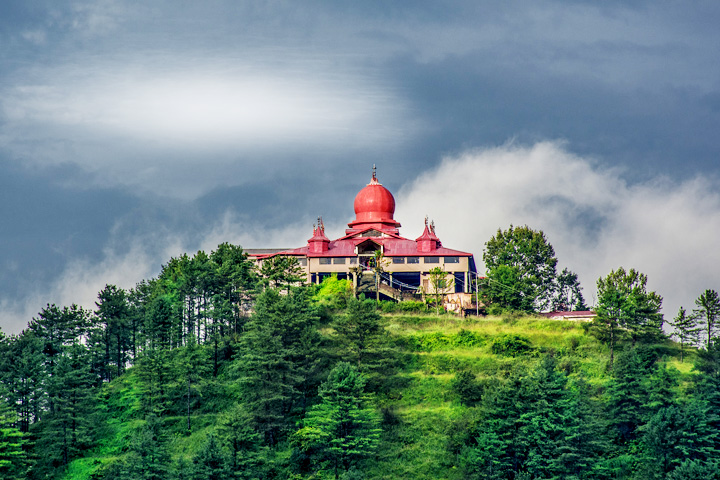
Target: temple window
pixel 398 259
pixel 353 261
pixel 432 259
pixel 339 261
pixel 413 259
pixel 325 260
pixel 452 259
pixel 302 261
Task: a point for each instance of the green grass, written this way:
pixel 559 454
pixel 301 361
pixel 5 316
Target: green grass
pixel 421 409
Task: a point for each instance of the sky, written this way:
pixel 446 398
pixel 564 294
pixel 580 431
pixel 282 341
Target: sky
pixel 132 132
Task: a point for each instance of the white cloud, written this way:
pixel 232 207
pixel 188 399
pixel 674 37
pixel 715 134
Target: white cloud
pixel 180 127
pixel 82 280
pixel 595 220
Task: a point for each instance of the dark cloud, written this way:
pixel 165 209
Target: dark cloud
pixel 132 132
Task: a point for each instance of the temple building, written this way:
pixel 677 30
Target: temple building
pixel 406 263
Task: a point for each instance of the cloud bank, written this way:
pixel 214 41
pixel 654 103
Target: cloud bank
pixel 595 219
pixel 126 265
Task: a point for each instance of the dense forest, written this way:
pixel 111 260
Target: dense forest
pixel 217 370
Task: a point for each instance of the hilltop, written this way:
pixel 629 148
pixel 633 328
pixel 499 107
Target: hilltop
pixel 422 406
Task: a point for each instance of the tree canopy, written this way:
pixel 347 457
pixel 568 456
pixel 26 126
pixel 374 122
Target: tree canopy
pixel 522 273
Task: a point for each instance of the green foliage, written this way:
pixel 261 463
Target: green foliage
pixel 686 328
pixel 210 463
pixel 344 428
pixel 277 360
pixel 625 306
pixel 435 341
pixel 406 306
pixel 14 461
pixel 333 293
pixel 211 381
pixel 694 469
pixel 511 345
pixel 708 313
pixel 440 285
pixel 362 341
pixel 467 387
pixel 532 426
pixel 281 271
pixel 520 265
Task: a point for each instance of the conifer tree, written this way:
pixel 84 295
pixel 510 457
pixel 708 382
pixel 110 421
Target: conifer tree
pixel 25 378
pixel 67 430
pixel 362 341
pixel 625 305
pixel 113 312
pixel 154 372
pixel 686 327
pixel 533 426
pixel 275 358
pixel 190 365
pixel 243 442
pixel 708 313
pixel 211 463
pixel 677 433
pixel 627 396
pixel 344 428
pixel 281 271
pixel 14 461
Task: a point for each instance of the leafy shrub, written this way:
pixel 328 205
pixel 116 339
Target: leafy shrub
pixel 411 306
pixel 495 310
pixel 466 338
pixel 333 293
pixel 511 345
pixel 574 343
pixel 466 386
pixel 436 364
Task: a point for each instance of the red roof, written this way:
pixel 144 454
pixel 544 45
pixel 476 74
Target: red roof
pixel 374 209
pixel 395 246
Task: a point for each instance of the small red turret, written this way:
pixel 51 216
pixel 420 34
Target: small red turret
pixel 319 242
pixel 428 241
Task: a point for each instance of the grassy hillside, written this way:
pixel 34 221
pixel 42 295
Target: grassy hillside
pixel 420 408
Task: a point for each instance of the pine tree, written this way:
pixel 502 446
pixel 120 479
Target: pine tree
pixel 708 312
pixel 533 426
pixel 627 396
pixel 24 378
pixel 267 375
pixel 625 305
pixel 67 430
pixel 190 366
pixel 281 271
pixel 687 329
pixel 344 428
pixel 211 463
pixel 235 431
pixel 14 460
pixel 362 341
pixel 113 312
pixel 675 434
pixel 148 455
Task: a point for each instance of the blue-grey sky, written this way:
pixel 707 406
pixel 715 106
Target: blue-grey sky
pixel 134 131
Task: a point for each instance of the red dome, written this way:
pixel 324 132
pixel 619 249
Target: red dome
pixel 374 204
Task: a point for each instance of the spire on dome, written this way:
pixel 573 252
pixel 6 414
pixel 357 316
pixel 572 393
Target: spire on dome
pixel 374 207
pixel 374 180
